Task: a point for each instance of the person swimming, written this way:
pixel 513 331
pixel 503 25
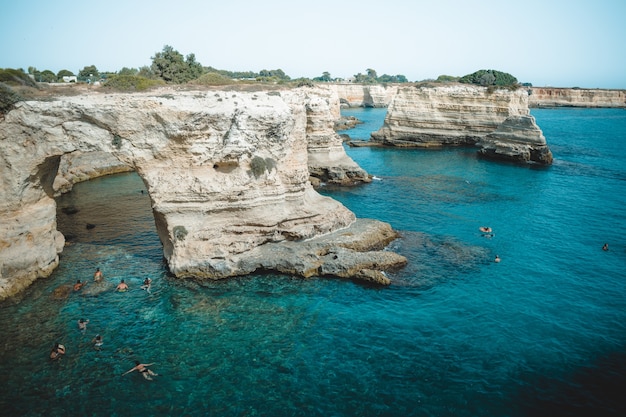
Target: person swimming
pixel 78 285
pixel 121 287
pixel 605 247
pixel 82 324
pixel 57 351
pixel 497 259
pixel 97 342
pixel 97 276
pixel 146 284
pixel 485 229
pixel 143 370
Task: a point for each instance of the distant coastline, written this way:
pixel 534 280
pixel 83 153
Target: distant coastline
pixel 576 97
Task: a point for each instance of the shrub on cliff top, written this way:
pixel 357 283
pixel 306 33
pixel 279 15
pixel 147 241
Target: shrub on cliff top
pixel 212 78
pixel 259 166
pixel 8 98
pixel 489 77
pixel 131 83
pixel 16 77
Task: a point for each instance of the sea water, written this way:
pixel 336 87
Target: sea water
pixel 543 332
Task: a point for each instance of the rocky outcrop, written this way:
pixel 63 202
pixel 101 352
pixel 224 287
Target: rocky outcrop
pixel 450 115
pixel 576 97
pixel 227 174
pixel 327 159
pixel 517 139
pixel 364 95
pixel 499 122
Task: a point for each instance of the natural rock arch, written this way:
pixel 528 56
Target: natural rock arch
pixel 240 157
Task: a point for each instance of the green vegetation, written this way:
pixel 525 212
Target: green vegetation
pixel 171 67
pixel 212 78
pixel 488 78
pixel 447 79
pixel 10 78
pixel 117 142
pixel 16 77
pixel 258 165
pixel 89 73
pixel 180 233
pixel 372 78
pixel 131 83
pixel 8 98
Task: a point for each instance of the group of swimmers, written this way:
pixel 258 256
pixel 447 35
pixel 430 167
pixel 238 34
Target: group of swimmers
pixel 58 350
pixel 488 233
pixel 121 287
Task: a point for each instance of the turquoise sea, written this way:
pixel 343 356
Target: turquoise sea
pixel 542 333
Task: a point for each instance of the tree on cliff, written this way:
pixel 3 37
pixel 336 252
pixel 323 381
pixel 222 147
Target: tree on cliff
pixel 273 75
pixel 170 66
pixel 372 77
pixel 489 77
pixel 64 73
pixel 88 73
pixel 325 77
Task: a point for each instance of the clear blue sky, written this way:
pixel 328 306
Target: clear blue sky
pixel 545 42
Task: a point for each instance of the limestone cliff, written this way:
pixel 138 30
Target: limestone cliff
pixel 462 115
pixel 364 95
pixel 576 97
pixel 227 174
pixel 449 115
pixel 517 139
pixel 327 159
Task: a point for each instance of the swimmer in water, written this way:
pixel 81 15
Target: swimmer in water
pixel 78 285
pixel 97 342
pixel 605 247
pixel 143 370
pixel 57 351
pixel 497 259
pixel 146 284
pixel 121 287
pixel 97 276
pixel 82 324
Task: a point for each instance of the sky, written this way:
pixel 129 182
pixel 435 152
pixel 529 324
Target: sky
pixel 558 43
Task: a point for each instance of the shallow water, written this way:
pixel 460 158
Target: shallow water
pixel 540 333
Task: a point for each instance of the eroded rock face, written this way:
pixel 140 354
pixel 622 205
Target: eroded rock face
pixel 364 95
pixel 517 139
pixel 450 115
pixel 227 174
pixel 576 97
pixel 327 159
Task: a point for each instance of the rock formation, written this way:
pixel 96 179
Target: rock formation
pixel 364 95
pixel 448 115
pixel 226 172
pixel 463 115
pixel 327 159
pixel 576 97
pixel 517 139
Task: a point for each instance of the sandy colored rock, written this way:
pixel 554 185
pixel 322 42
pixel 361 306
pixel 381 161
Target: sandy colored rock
pixel 227 173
